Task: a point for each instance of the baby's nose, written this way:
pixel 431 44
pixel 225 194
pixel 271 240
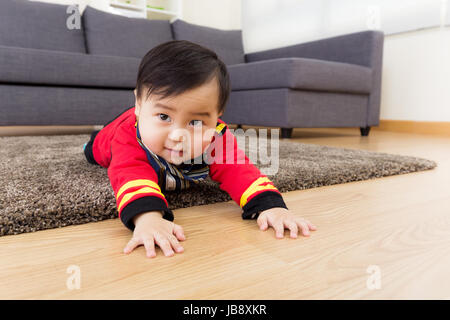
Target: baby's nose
pixel 178 135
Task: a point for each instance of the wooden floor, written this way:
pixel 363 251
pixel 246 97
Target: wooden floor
pixel 398 226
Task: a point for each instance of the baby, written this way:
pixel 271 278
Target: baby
pixel 172 138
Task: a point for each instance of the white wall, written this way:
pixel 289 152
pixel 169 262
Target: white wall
pixel 275 23
pixel 221 14
pixel 416 76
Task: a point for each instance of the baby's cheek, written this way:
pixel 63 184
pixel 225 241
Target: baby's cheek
pixel 154 142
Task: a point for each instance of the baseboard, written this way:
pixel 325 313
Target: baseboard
pixel 420 127
pixel 417 127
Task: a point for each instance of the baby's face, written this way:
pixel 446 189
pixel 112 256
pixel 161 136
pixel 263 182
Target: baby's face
pixel 179 128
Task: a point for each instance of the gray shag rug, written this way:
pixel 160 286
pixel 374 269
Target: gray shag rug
pixel 46 182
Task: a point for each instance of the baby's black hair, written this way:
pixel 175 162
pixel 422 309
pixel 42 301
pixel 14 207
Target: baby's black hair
pixel 176 66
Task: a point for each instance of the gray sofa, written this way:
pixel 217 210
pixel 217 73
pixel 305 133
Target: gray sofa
pixel 51 75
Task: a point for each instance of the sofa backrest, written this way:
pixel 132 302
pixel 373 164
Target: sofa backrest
pixel 38 25
pixel 226 43
pixel 115 35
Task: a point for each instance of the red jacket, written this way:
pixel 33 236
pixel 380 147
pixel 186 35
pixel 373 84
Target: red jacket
pixel 137 186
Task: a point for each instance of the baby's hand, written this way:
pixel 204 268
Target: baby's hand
pixel 151 228
pixel 279 218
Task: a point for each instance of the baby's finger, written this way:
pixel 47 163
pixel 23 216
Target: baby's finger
pixel 131 245
pixel 290 224
pixel 279 229
pixel 164 244
pixel 175 244
pixel 310 225
pixel 149 245
pixel 179 232
pixel 262 222
pixel 304 227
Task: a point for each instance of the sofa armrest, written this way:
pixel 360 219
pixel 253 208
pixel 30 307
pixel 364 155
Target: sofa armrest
pixel 362 48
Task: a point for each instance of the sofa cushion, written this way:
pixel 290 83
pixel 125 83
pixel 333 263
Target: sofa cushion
pixel 38 25
pixel 111 34
pixel 45 67
pixel 226 43
pixel 301 73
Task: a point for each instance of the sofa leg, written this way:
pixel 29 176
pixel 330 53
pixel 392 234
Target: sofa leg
pixel 286 133
pixel 365 131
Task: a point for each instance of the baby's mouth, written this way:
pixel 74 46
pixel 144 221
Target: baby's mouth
pixel 175 153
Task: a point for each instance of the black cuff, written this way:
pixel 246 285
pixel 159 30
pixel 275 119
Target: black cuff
pixel 263 201
pixel 141 205
pixel 88 149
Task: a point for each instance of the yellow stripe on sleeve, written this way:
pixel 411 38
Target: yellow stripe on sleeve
pixel 128 196
pixel 255 187
pixel 136 183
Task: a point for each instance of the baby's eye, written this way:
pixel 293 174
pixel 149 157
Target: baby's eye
pixel 163 116
pixel 198 123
